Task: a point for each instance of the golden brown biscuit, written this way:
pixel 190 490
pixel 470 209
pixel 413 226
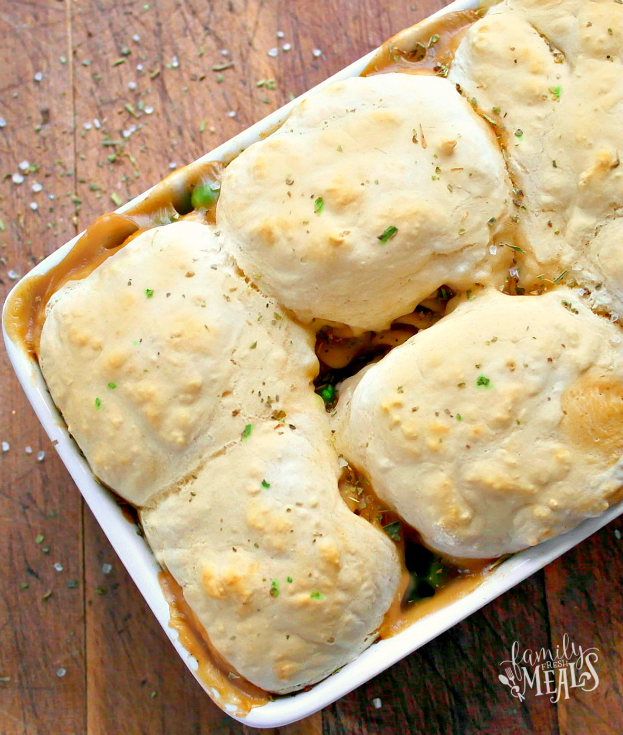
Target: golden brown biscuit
pixel 497 428
pixel 373 193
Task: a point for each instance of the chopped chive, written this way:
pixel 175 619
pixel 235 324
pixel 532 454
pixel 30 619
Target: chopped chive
pixel 316 595
pixel 318 205
pixel 388 234
pixel 116 198
pixel 40 538
pixel 289 580
pixel 559 278
pixel 247 432
pixel 98 404
pixel 112 385
pixel 274 588
pixel 149 292
pixel 483 381
pixel 265 484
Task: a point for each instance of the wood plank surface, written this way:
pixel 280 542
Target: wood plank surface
pixel 102 98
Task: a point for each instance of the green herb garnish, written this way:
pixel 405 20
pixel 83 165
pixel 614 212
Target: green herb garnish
pixel 98 404
pixel 315 595
pixel 149 292
pixel 274 588
pixel 559 278
pixel 318 205
pixel 393 530
pixel 483 381
pixel 265 484
pixel 327 394
pixel 388 234
pixel 247 432
pixel 112 385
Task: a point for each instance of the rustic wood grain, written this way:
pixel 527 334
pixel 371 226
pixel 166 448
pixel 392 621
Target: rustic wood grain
pixel 38 637
pixel 584 602
pixel 110 116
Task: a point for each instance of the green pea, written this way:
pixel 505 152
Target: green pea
pixel 205 195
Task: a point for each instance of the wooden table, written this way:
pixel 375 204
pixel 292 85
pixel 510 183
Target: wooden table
pixel 79 650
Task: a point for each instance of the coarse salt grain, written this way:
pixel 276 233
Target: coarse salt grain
pixel 23 165
pixel 280 34
pixel 61 673
pixel 232 113
pixel 136 38
pixel 17 179
pixel 224 52
pixel 131 85
pixel 97 123
pixel 13 275
pixel 58 566
pixel 38 76
pixel 493 249
pixel 513 272
pixel 87 125
pixel 40 456
pixel 139 67
pixel 175 62
pixel 273 52
pixel 286 46
pixel 2 122
pixel 377 703
pixel 149 110
pixel 107 568
pixel 316 53
pixel 617 534
pixel 614 318
pixel 28 449
pixel 5 446
pixel 36 187
pixel 172 165
pixel 34 206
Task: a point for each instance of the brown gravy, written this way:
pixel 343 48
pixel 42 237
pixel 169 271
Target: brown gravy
pixel 425 48
pixel 226 686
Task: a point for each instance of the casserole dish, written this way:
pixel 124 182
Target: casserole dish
pixel 138 559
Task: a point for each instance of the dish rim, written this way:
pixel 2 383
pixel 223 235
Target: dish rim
pixel 139 561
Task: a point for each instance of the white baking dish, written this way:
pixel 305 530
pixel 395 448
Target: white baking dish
pixel 141 564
